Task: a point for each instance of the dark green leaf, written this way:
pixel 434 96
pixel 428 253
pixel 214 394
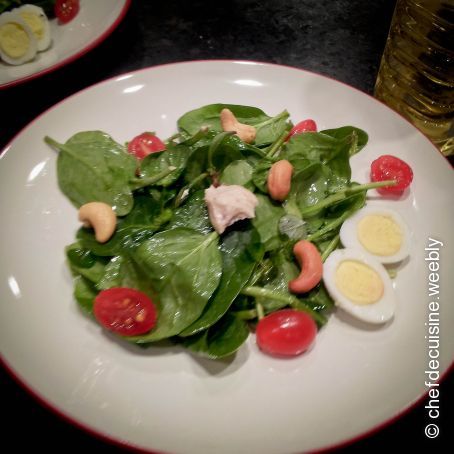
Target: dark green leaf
pixel 91 166
pixel 157 163
pixel 266 222
pixel 121 271
pixel 240 252
pixel 93 272
pixel 309 185
pixel 260 174
pixel 238 172
pixel 292 226
pixel 208 116
pixel 221 340
pixel 319 298
pixel 268 128
pixel 193 214
pixel 184 267
pixel 345 131
pixel 85 293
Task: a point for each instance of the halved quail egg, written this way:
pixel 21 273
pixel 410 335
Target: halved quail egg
pixel 360 285
pixel 17 41
pixel 36 19
pixel 380 232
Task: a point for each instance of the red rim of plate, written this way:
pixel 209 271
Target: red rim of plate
pixel 73 57
pixel 131 446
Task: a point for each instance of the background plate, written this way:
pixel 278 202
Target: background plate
pixel 94 23
pixel 165 399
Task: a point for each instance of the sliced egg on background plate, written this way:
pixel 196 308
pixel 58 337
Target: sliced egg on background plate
pixel 360 285
pixel 17 41
pixel 36 19
pixel 380 232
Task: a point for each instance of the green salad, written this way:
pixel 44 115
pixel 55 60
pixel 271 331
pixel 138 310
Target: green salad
pixel 208 287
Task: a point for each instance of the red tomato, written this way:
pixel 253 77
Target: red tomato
pixel 66 10
pixel 145 144
pixel 286 333
pixel 389 167
pixel 302 126
pixel 125 311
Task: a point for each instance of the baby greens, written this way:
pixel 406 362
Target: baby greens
pixel 208 287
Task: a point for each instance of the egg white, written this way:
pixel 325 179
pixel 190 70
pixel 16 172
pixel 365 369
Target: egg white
pixel 43 43
pixel 379 312
pixel 11 17
pixel 349 233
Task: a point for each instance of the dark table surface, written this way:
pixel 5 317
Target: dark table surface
pixel 343 39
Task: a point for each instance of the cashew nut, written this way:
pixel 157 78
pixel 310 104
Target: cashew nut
pixel 280 179
pixel 229 122
pixel 311 265
pixel 101 217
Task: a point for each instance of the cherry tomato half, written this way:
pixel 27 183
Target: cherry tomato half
pixel 125 311
pixel 66 10
pixel 389 167
pixel 145 144
pixel 287 332
pixel 303 126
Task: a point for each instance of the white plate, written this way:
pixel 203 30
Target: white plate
pixel 95 22
pixel 164 398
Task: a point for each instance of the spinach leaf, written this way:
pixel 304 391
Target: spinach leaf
pixel 193 214
pixel 145 218
pixel 229 150
pixel 266 222
pixel 345 131
pixel 240 252
pixel 339 165
pixel 336 214
pixel 155 164
pixel 309 185
pixel 220 340
pixel 208 116
pixel 314 146
pixel 75 253
pixel 84 293
pixel 274 294
pixel 178 305
pixel 285 270
pixel 91 166
pixel 238 172
pixel 80 257
pixel 260 174
pixel 121 271
pixel 319 298
pixel 196 254
pixel 292 226
pixel 184 267
pixel 47 5
pixel 268 128
pixel 162 196
pixel 332 150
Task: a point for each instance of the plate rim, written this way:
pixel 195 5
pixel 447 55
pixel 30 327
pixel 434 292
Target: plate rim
pixel 98 434
pixel 80 53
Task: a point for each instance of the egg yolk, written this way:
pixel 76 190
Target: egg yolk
pixel 14 40
pixel 34 22
pixel 359 282
pixel 380 234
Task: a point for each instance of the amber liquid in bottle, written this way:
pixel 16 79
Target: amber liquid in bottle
pixel 416 76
